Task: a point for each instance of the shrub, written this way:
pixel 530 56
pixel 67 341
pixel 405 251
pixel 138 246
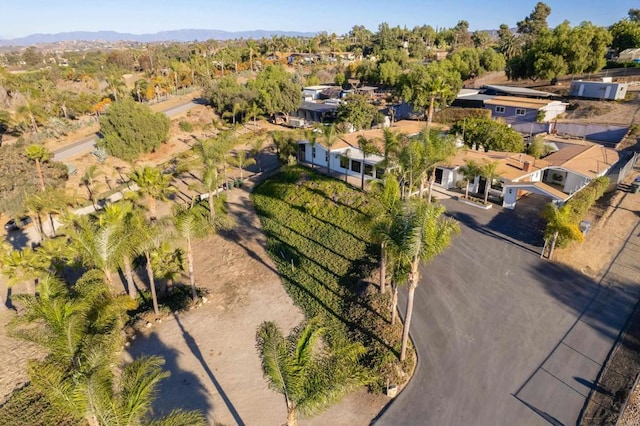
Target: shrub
pixel 452 115
pixel 185 126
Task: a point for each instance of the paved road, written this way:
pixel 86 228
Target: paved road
pixel 503 337
pixel 87 144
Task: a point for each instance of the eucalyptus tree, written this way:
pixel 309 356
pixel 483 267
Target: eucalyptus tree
pixel 425 234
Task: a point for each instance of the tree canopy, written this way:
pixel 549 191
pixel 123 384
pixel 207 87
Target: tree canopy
pixel 129 129
pixel 491 135
pixel 358 111
pixel 277 90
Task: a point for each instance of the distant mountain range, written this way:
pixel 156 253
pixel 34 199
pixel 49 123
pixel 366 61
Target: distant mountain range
pixel 177 35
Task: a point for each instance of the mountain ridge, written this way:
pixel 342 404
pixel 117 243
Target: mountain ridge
pixel 181 35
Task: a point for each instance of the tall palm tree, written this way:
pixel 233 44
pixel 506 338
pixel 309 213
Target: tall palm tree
pixel 426 234
pixel 153 185
pixel 241 161
pixel 489 171
pixel 367 148
pixel 436 150
pixel 20 266
pixel 5 249
pixel 437 89
pixel 307 378
pixel 387 193
pixel 38 154
pixel 191 223
pixel 470 170
pixel 151 238
pixel 31 115
pixel 560 226
pixel 115 84
pixel 392 145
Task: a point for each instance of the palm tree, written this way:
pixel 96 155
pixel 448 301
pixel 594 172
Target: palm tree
pixel 168 265
pixel 436 150
pixel 115 84
pixel 153 185
pixel 38 154
pixel 470 170
pixel 191 223
pixel 438 89
pixel 127 223
pixel 387 193
pixel 311 136
pixel 20 266
pixel 367 148
pixel 489 171
pixel 307 378
pixel 151 238
pixel 426 234
pixel 88 179
pixel 241 161
pixel 560 225
pixel 5 249
pixel 330 134
pixel 80 376
pixel 97 244
pixel 256 149
pixel 30 114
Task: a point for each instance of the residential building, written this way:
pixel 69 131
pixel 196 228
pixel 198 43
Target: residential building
pixel 517 109
pixel 607 89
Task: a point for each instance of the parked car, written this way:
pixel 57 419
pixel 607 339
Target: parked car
pixel 15 224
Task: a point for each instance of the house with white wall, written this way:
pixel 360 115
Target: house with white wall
pixel 346 158
pixel 558 176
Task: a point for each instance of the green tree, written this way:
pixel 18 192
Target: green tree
pixel 387 195
pixel 38 154
pixel 494 135
pixel 329 137
pixel 88 180
pixel 625 34
pixel 191 223
pixel 308 379
pixel 470 170
pixel 436 83
pixel 367 147
pixel 153 185
pixel 241 161
pixel 426 234
pixel 536 22
pixel 357 111
pixel 129 129
pixel 560 225
pixel 489 171
pixel 278 92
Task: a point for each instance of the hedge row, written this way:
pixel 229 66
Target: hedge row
pixel 452 115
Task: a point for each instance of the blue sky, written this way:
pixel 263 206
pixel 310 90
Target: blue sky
pixel 24 17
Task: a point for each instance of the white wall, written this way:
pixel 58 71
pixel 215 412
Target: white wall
pixel 573 182
pixel 510 197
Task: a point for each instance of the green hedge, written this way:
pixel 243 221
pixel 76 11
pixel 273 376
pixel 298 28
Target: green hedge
pixel 318 235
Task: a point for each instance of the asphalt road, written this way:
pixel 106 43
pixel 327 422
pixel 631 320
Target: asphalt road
pixel 505 338
pixel 88 144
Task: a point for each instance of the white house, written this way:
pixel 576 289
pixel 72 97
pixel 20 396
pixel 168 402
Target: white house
pixel 346 157
pixel 557 176
pixel 312 93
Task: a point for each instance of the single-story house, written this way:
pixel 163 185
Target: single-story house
pixel 598 90
pixel 517 109
pixel 312 93
pixel 346 157
pixel 557 176
pixel 471 98
pixel 316 112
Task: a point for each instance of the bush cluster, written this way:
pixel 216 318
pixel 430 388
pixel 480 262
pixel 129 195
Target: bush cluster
pixel 452 115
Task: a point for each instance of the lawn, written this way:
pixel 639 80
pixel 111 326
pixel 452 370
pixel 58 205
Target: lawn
pixel 318 235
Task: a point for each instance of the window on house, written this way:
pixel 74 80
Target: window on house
pixel 500 109
pixel 313 152
pixel 379 173
pixel 368 170
pixel 355 166
pixel 326 156
pixel 520 111
pixel 344 162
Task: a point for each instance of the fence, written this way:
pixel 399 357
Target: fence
pixel 628 167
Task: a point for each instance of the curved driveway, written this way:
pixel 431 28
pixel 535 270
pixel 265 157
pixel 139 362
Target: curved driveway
pixel 503 337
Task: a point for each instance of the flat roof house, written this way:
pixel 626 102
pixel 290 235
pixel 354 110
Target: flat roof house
pixel 607 90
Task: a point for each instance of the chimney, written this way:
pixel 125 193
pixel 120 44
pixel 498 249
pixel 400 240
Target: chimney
pixel 526 166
